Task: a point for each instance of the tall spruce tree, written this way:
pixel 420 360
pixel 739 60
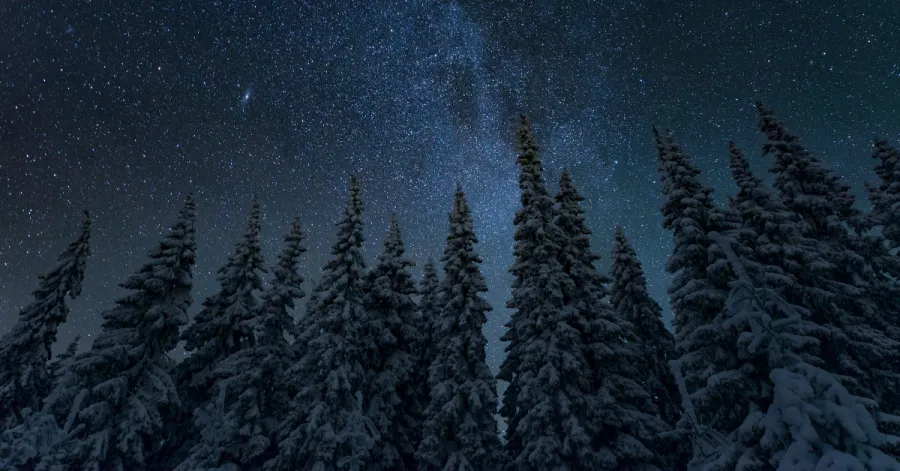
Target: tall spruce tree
pixel 460 427
pixel 123 383
pixel 885 195
pixel 625 427
pixel 857 347
pixel 315 432
pixel 655 344
pixel 809 420
pixel 256 394
pixel 219 329
pixel 547 402
pixel 429 313
pixel 719 385
pixel 26 349
pixel 885 198
pixel 394 403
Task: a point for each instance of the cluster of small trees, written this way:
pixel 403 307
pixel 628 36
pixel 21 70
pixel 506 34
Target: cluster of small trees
pixel 785 352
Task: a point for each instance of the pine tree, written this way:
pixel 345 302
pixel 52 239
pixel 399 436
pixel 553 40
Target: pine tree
pixel 332 369
pixel 60 364
pixel 856 347
pixel 26 349
pixel 811 421
pixel 624 422
pixel 656 345
pixel 253 377
pixel 220 328
pixel 885 196
pixel 882 253
pixel 460 428
pixel 719 384
pixel 393 401
pixel 546 404
pixel 128 392
pixel 429 313
pixel 218 430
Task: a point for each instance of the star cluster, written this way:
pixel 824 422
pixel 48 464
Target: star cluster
pixel 123 107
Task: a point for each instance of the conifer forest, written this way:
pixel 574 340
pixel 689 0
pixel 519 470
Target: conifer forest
pixel 760 331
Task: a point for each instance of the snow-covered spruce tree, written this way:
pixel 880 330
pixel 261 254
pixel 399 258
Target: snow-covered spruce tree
pixel 460 428
pixel 625 426
pixel 719 384
pixel 220 328
pixel 429 313
pixel 547 402
pixel 857 346
pixel 218 430
pixel 392 396
pixel 885 198
pixel 811 422
pixel 885 195
pixel 333 368
pixel 656 346
pixel 124 377
pixel 254 376
pixel 26 349
pixel 60 364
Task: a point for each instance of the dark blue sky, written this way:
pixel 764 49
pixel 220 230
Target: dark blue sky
pixel 122 107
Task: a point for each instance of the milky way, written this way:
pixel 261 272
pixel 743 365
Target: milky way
pixel 122 110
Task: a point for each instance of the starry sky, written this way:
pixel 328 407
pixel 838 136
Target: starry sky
pixel 122 107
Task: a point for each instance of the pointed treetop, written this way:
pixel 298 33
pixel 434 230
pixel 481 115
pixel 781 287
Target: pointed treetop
pixel 567 189
pixel 527 144
pixel 740 167
pixel 78 251
pixel 393 243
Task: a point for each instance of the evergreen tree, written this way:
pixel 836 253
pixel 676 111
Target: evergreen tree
pixel 546 404
pixel 393 396
pixel 460 428
pixel 625 426
pixel 221 327
pixel 718 383
pixel 127 391
pixel 885 196
pixel 856 346
pixel 811 421
pixel 58 366
pixel 332 369
pixel 218 430
pixel 26 349
pixel 429 313
pixel 632 302
pixel 253 377
pixel 882 253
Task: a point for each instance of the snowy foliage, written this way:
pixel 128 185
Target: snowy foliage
pixel 706 350
pixel 26 349
pixel 393 397
pixel 429 313
pixel 810 421
pixel 857 345
pixel 254 376
pixel 885 195
pixel 61 363
pixel 460 427
pixel 222 327
pixel 547 402
pixel 218 430
pixel 38 443
pixel 130 393
pixel 632 302
pixel 332 369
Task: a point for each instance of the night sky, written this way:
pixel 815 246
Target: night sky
pixel 123 109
